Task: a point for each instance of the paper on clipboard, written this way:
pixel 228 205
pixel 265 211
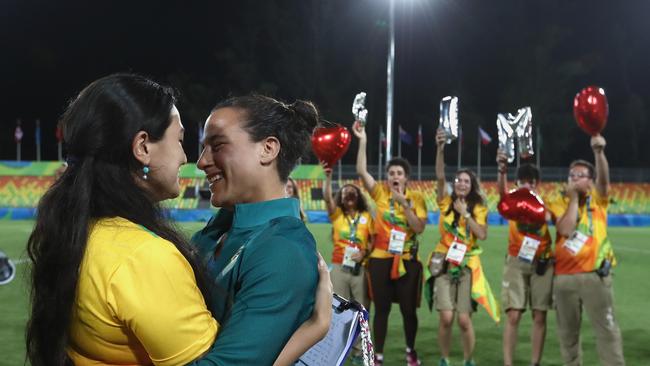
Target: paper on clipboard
pixel 344 329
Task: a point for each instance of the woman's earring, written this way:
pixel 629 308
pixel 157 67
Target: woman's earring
pixel 145 170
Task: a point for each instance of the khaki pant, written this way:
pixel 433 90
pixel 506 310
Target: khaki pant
pixel 351 287
pixel 454 294
pixel 571 294
pixel 523 288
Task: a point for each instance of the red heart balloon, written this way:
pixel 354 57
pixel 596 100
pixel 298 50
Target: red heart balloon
pixel 330 143
pixel 590 109
pixel 524 206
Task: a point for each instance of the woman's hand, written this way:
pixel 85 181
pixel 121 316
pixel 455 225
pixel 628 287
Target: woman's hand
pixel 441 138
pixel 502 161
pixel 399 197
pixel 460 206
pixel 326 169
pixel 359 131
pixel 323 306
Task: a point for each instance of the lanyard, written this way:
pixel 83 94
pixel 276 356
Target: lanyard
pixel 391 211
pixel 467 232
pixel 393 221
pixel 589 216
pixel 353 226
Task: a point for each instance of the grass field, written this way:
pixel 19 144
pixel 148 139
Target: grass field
pixel 632 291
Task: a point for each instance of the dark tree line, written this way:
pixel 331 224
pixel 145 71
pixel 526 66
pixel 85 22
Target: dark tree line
pixel 495 56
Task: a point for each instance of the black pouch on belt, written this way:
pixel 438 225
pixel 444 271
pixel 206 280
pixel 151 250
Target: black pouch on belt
pixel 540 268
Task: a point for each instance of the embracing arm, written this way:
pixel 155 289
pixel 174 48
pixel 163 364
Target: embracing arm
pixel 270 305
pixel 316 327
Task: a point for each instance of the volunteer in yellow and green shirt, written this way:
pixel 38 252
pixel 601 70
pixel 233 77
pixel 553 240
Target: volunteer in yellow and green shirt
pixel 584 259
pixel 527 275
pixel 394 266
pixel 459 281
pixel 352 231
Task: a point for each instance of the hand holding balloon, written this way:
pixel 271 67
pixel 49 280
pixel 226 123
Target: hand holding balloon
pixel 598 143
pixel 330 144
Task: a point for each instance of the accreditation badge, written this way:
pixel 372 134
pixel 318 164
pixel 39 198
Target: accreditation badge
pixel 528 249
pixel 350 250
pixel 396 243
pixel 363 220
pixel 456 253
pixel 575 243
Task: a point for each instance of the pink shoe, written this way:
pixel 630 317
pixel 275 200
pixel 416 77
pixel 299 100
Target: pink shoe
pixel 379 361
pixel 412 358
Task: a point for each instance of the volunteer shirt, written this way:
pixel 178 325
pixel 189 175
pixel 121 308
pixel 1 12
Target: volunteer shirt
pixel 519 230
pixel 343 225
pixel 264 262
pixel 137 301
pixel 384 222
pixel 592 221
pixel 449 232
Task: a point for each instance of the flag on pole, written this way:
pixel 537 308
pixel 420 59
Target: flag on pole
pixel 37 137
pixel 59 133
pixel 18 133
pixel 485 138
pixel 419 138
pixel 37 132
pixel 404 136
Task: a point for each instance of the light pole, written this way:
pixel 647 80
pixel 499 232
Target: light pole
pixel 390 70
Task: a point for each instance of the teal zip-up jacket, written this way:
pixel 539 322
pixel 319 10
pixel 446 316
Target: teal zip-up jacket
pixel 266 273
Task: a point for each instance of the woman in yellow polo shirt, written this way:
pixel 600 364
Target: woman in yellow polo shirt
pixel 352 231
pixel 463 220
pixel 394 266
pixel 112 281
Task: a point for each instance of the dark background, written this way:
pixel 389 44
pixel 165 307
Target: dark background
pixel 496 56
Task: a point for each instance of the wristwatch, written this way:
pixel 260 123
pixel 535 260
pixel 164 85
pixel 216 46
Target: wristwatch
pixel 467 215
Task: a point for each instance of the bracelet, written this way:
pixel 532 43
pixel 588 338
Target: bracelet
pixel 503 171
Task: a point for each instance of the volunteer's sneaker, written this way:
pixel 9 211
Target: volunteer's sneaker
pixel 379 360
pixel 444 362
pixel 469 363
pixel 412 358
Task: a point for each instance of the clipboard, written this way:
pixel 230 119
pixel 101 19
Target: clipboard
pixel 345 327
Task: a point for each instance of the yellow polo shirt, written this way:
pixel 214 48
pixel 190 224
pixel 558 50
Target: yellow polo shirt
pixel 385 221
pixel 449 232
pixel 342 225
pixel 137 301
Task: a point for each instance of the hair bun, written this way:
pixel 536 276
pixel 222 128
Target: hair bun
pixel 306 112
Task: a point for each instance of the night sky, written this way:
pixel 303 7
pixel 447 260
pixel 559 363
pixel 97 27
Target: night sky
pixel 497 56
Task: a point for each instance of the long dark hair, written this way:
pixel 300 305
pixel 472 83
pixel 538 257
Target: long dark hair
pixel 292 124
pixel 98 127
pixel 361 204
pixel 474 197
